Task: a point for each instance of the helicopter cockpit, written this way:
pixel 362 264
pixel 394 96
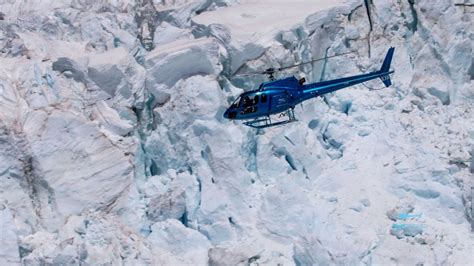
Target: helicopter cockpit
pixel 245 100
pixel 249 103
pixel 246 103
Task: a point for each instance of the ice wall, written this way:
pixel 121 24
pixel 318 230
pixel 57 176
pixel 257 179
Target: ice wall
pixel 113 149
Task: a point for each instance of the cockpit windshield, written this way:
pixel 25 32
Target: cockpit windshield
pixel 235 104
pixel 245 100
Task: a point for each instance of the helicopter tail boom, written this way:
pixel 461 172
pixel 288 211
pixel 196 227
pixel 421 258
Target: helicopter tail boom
pixel 320 88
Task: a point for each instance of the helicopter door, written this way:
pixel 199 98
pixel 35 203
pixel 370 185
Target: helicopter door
pixel 280 102
pixel 264 103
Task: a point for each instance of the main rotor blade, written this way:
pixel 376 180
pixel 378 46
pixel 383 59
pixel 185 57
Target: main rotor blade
pixel 272 70
pixel 314 60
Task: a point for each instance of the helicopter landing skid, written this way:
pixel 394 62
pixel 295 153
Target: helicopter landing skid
pixel 267 121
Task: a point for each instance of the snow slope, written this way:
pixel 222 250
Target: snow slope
pixel 113 148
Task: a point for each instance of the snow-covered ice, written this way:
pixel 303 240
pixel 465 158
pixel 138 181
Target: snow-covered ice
pixel 113 148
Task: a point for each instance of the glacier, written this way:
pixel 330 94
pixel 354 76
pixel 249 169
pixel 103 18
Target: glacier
pixel 113 148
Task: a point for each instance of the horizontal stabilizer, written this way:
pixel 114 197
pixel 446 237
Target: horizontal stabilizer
pixel 386 80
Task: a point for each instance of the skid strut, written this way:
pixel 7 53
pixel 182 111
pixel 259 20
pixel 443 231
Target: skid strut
pixel 266 121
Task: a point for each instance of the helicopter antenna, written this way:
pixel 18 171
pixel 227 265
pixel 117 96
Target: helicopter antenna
pixel 271 71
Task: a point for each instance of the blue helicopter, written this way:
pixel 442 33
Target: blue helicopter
pixel 281 96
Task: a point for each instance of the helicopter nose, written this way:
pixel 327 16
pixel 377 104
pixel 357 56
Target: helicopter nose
pixel 230 114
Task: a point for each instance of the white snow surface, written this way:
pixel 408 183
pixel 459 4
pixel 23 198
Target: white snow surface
pixel 113 148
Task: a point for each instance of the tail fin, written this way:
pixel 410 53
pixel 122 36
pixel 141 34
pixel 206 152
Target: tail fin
pixel 386 67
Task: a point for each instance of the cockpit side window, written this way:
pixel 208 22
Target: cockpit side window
pixel 250 100
pixel 263 98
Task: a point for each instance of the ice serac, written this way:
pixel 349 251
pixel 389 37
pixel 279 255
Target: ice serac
pixel 181 59
pixel 118 74
pixel 110 119
pixel 114 150
pixel 187 246
pixel 75 160
pixel 9 254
